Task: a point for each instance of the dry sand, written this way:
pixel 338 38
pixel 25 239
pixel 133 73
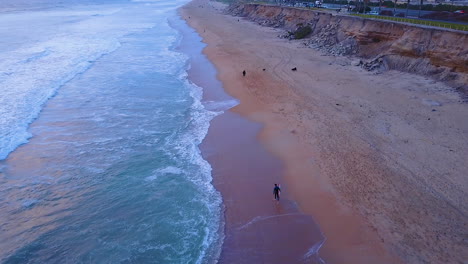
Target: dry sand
pixel 379 161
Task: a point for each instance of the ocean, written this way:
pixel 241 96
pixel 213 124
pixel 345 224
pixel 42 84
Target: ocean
pixel 99 135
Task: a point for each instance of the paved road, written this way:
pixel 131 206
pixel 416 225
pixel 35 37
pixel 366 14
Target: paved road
pixel 411 13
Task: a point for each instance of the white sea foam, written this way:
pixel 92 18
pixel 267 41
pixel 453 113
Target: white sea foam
pixel 35 63
pixel 171 170
pixel 28 80
pixel 33 70
pixel 152 177
pixel 218 106
pixel 186 145
pixel 29 203
pixel 313 252
pixel 197 130
pixel 164 171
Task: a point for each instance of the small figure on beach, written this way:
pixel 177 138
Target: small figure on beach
pixel 276 192
pixel 243 72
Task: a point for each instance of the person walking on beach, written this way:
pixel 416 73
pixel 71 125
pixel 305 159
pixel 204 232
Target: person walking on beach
pixel 276 192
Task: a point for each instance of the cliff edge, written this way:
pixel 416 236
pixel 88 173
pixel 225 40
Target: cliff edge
pixel 439 53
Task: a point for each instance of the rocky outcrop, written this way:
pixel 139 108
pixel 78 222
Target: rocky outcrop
pixel 441 54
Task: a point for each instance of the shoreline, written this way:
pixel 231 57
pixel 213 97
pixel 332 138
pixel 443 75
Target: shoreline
pixel 251 217
pixel 353 145
pixel 187 46
pixel 254 131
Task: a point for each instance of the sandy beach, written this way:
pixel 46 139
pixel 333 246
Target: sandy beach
pixel 244 172
pixel 374 165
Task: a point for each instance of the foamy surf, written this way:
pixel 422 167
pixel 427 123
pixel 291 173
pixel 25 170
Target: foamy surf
pixel 34 64
pixel 112 172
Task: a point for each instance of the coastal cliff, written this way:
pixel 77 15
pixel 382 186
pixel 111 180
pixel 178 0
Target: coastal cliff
pixel 441 54
pixel 392 147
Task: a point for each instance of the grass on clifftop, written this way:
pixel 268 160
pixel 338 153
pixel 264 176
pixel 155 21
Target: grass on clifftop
pixel 419 21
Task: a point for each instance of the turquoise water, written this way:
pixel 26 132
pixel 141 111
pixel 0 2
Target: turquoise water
pixel 99 134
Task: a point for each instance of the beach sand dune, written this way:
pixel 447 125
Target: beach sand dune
pixel 378 161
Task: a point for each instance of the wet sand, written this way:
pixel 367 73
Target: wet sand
pixel 257 227
pixel 378 161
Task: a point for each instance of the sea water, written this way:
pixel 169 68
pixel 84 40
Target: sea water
pixel 99 134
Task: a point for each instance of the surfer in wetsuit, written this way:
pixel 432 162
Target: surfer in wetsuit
pixel 276 192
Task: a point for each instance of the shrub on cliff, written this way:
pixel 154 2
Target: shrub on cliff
pixel 302 32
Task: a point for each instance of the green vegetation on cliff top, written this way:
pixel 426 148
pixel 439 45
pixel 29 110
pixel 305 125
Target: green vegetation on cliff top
pixel 442 24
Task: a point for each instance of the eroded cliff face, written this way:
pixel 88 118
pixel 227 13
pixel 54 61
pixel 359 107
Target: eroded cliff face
pixel 441 54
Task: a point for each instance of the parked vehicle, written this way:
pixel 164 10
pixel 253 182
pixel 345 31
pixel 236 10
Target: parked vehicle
pixel 386 13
